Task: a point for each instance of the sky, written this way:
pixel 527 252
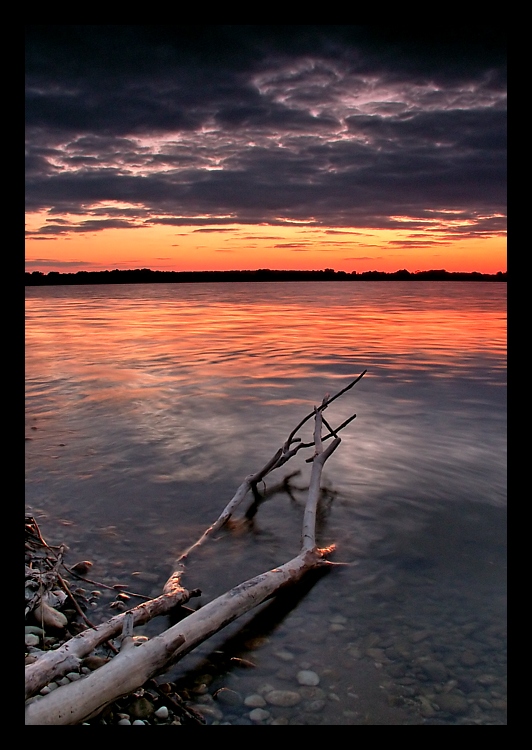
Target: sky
pixel 231 147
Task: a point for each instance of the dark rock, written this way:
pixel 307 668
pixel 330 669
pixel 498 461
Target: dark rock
pixel 228 697
pixel 452 703
pixel 141 708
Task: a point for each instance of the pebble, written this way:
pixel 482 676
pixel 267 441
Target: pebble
pixel 338 619
pixel 487 679
pixel 162 712
pixel 259 714
pixel 452 703
pixel 94 662
pixel 284 655
pixel 228 697
pixel 209 711
pixel 469 659
pixel 34 630
pixel 377 654
pixel 435 670
pixel 308 677
pixel 499 704
pixel 283 698
pixel 254 701
pixel 141 708
pixel 311 693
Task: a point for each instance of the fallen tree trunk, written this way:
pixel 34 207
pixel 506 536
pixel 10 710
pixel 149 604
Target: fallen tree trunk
pixel 138 661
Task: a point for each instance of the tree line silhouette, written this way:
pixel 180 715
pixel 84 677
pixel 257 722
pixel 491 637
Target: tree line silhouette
pixel 146 275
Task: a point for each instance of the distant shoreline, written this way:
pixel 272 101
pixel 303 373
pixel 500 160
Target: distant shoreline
pixel 146 276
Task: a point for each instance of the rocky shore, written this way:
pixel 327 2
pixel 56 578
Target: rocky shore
pixel 422 676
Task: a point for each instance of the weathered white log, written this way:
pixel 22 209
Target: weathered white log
pixel 78 701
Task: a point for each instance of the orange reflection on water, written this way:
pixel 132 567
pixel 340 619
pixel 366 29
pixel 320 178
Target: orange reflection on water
pixel 141 337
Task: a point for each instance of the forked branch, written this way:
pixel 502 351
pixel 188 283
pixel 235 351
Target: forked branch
pixel 135 664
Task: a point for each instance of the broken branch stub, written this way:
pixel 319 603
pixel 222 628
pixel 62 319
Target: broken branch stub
pixel 137 662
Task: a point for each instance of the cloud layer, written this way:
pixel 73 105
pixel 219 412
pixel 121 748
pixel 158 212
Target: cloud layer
pixel 349 126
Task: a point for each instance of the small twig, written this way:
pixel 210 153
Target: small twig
pixel 326 402
pixel 78 609
pixel 104 585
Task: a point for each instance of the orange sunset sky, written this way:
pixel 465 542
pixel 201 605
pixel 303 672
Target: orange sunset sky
pixel 245 147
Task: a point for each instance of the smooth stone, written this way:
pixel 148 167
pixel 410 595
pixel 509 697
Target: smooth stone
pixel 162 712
pixel 50 617
pixel 33 629
pixel 452 703
pixel 315 706
pixel 311 693
pixel 31 639
pixel 500 704
pixel 209 711
pixel 283 698
pixel 139 721
pixel 377 654
pixel 202 689
pixel 94 662
pixel 124 722
pixel 419 636
pixel 259 714
pixel 487 679
pixel 427 711
pixel 255 643
pixel 308 677
pixel 338 619
pixel 469 659
pixel 254 701
pixel 228 697
pixel 396 670
pixel 285 673
pixel 141 708
pixel 284 655
pixel 265 688
pixel 73 676
pixel 435 670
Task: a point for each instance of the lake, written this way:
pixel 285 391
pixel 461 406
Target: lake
pixel 146 407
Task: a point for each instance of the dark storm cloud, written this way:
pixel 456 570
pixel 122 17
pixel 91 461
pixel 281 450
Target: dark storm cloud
pixel 345 126
pixel 43 262
pixel 217 230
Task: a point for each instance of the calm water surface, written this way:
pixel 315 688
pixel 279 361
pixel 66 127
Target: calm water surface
pixel 147 405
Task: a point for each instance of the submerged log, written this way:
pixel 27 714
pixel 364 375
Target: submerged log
pixel 138 661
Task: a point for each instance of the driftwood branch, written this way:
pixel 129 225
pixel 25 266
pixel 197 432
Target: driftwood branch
pixel 138 661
